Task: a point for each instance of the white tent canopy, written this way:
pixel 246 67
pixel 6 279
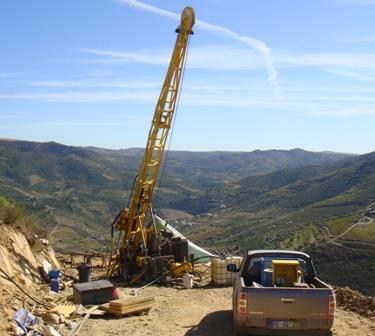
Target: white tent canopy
pixel 192 248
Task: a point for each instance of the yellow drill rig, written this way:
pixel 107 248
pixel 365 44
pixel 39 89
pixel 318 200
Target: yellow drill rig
pixel 145 250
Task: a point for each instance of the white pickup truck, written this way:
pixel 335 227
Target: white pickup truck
pixel 267 305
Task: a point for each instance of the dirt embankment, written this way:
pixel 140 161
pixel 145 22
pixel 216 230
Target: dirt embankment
pixel 356 302
pixel 200 312
pixel 196 312
pixel 20 256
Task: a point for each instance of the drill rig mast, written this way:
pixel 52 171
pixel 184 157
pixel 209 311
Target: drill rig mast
pixel 139 242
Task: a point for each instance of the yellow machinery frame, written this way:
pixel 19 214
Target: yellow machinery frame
pixel 132 220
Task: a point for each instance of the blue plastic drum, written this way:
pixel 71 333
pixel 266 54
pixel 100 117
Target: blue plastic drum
pixel 55 285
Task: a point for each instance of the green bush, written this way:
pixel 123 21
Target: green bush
pixel 15 214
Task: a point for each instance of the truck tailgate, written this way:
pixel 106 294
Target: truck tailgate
pixel 265 305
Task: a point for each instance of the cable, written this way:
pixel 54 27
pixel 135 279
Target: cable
pixel 170 271
pixel 162 175
pixel 23 291
pixel 131 194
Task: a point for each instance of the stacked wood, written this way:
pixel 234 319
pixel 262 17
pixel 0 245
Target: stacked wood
pixel 130 305
pixel 64 309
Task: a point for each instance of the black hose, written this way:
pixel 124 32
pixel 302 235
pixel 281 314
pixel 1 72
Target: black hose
pixel 22 290
pixel 171 270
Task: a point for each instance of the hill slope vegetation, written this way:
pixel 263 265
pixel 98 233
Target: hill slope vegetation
pixel 319 202
pixel 76 192
pixel 325 210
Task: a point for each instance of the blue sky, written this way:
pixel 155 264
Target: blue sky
pixel 261 74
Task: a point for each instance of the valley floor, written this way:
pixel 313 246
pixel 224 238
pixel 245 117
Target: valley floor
pixel 200 312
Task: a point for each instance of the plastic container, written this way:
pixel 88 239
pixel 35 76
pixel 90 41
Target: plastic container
pixel 84 273
pixel 115 293
pixel 285 272
pixel 55 285
pixel 219 273
pixel 54 274
pixel 179 249
pixel 187 281
pixel 266 277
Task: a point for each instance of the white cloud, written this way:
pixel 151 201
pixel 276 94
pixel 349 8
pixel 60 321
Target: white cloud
pixel 200 57
pixel 155 57
pixel 10 116
pixel 149 8
pixel 256 44
pixel 10 74
pixel 250 41
pixel 95 84
pixel 229 57
pixel 210 97
pixel 129 120
pixel 350 60
pixel 345 112
pixel 298 102
pixel 359 2
pixel 353 75
pixel 83 97
pixel 362 39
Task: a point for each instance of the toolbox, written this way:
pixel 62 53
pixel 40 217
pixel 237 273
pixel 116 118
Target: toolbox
pixel 93 292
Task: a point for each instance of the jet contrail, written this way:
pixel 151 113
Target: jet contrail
pixel 256 44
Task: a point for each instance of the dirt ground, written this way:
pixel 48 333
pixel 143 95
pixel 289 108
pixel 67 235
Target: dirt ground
pixel 199 312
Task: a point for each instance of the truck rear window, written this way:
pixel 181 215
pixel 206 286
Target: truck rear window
pixel 259 269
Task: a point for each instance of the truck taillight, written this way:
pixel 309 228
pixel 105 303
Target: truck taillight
pixel 242 304
pixel 331 306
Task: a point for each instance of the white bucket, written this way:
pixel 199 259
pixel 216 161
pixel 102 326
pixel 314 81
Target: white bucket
pixel 187 280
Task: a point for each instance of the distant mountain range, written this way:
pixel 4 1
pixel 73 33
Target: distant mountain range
pixel 84 188
pixel 260 199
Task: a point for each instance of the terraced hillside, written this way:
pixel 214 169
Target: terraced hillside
pixel 76 192
pixel 262 199
pixel 324 210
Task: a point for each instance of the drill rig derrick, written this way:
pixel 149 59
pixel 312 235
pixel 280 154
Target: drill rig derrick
pixel 140 242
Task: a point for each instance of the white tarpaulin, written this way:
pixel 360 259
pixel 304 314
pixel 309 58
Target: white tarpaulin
pixel 192 248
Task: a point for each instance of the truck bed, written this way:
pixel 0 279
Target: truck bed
pixel 305 306
pixel 303 309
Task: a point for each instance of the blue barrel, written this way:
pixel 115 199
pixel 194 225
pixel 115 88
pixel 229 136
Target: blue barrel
pixel 55 285
pixel 54 274
pixel 84 273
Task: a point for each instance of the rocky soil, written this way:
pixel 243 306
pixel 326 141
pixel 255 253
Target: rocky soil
pixel 356 302
pixel 200 312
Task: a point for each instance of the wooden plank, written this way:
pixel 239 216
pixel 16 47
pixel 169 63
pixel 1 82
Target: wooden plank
pixel 104 306
pixel 133 306
pixel 129 300
pixel 65 309
pixel 129 305
pixel 98 313
pixel 130 311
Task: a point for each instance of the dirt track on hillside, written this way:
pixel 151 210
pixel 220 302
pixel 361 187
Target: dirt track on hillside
pixel 200 312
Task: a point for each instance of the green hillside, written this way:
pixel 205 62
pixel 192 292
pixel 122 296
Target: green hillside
pixel 304 208
pixel 261 199
pixel 76 192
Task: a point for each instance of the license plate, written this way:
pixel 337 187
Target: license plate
pixel 281 324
